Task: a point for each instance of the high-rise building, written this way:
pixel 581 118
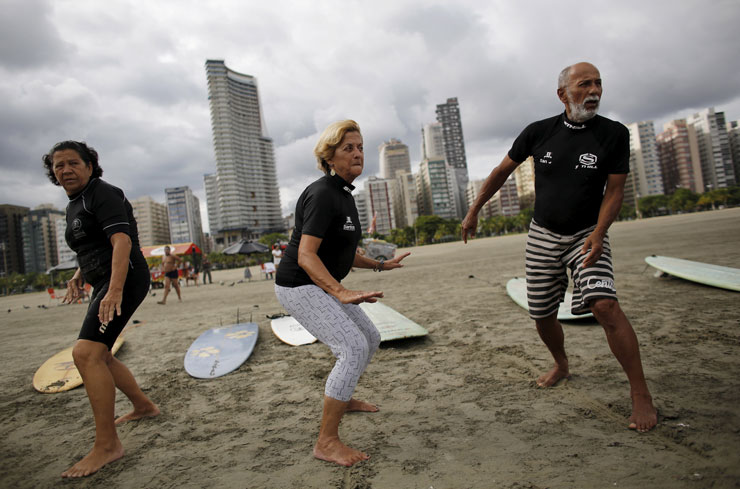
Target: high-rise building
pixel 733 135
pixel 405 204
pixel 394 158
pixel 678 152
pixel 524 177
pixel 242 195
pixel 64 252
pixel 645 175
pixel 435 186
pixel 183 209
pixel 380 200
pixel 11 239
pixel 717 167
pixel 448 114
pixel 362 203
pixel 432 141
pixel 152 221
pixel 490 208
pixel 40 238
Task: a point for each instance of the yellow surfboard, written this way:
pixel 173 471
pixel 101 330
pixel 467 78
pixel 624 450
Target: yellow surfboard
pixel 59 374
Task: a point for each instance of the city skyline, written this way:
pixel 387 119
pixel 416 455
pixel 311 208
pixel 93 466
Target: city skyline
pixel 134 89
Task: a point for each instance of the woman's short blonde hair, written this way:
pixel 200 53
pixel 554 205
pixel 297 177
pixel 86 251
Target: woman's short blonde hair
pixel 330 140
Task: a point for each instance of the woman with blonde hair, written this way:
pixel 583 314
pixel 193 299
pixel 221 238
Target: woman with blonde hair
pixel 321 252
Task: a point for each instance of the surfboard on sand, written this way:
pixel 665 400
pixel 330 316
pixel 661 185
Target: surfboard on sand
pixel 290 331
pixel 391 324
pixel 219 351
pixel 517 290
pixel 703 273
pixel 59 374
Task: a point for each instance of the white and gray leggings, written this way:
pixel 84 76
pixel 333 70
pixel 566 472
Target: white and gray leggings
pixel 345 328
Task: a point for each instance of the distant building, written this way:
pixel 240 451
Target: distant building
pixel 435 184
pixel 717 167
pixel 362 202
pixel 11 239
pixel 448 114
pixel 64 252
pixel 733 135
pixel 380 203
pixel 394 158
pixel 524 177
pixel 645 177
pixel 40 238
pixel 183 209
pixel 432 141
pixel 152 221
pixel 678 152
pixel 490 208
pixel 243 197
pixel 405 203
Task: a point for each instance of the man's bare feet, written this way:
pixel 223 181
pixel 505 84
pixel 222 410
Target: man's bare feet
pixel 644 415
pixel 554 376
pixel 148 412
pixel 162 302
pixel 361 406
pixel 333 450
pixel 94 461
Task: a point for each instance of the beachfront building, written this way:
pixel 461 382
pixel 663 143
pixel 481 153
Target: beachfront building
pixel 448 114
pixel 243 198
pixel 524 178
pixel 405 202
pixel 717 167
pixel 40 238
pixel 64 252
pixel 183 209
pixel 435 187
pixel 678 152
pixel 363 209
pixel 645 177
pixel 379 201
pixel 733 135
pixel 394 158
pixel 152 221
pixel 432 141
pixel 490 208
pixel 11 239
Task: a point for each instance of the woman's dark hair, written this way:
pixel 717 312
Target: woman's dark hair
pixel 87 153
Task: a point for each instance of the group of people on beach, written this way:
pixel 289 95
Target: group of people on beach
pixel 581 163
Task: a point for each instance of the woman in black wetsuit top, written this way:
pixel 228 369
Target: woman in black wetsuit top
pixel 101 229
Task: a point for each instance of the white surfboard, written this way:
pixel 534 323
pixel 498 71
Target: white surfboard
pixel 517 290
pixel 703 273
pixel 290 331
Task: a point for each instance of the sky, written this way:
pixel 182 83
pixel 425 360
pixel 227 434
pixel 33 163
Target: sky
pixel 128 77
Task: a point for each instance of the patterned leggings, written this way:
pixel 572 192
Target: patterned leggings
pixel 344 328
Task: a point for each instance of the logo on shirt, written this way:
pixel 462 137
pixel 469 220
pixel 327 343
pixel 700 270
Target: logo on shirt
pixel 349 225
pixel 547 159
pixel 587 160
pixel 76 225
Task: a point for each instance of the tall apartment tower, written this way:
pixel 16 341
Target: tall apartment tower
pixel 380 203
pixel 432 141
pixel 152 221
pixel 64 252
pixel 717 167
pixel 448 114
pixel 645 176
pixel 242 195
pixel 490 208
pixel 436 186
pixel 394 158
pixel 405 204
pixel 678 152
pixel 183 209
pixel 524 177
pixel 733 134
pixel 11 239
pixel 40 238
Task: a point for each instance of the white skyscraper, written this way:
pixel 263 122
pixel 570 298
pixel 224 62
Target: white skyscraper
pixel 714 148
pixel 432 142
pixel 183 209
pixel 394 158
pixel 242 195
pixel 436 189
pixel 152 221
pixel 405 205
pixel 380 200
pixel 645 175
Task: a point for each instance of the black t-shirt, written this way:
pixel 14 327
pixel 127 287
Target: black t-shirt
pixel 326 210
pixel 96 213
pixel 571 164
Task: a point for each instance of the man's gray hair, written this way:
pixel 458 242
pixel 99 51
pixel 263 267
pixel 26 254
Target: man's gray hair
pixel 564 77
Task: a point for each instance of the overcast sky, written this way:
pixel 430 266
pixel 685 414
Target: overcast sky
pixel 128 77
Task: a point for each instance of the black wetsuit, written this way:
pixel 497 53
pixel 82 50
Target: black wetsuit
pixel 571 164
pixel 95 214
pixel 326 210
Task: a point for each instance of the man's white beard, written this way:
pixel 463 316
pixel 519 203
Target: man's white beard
pixel 579 112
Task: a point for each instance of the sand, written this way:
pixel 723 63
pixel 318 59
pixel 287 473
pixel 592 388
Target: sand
pixel 459 408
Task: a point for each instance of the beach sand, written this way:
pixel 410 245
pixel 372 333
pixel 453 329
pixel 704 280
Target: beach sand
pixel 459 407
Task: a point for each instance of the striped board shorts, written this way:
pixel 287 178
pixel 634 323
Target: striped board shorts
pixel 548 257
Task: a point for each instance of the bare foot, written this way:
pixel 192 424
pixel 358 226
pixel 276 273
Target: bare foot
pixel 94 461
pixel 553 376
pixel 644 415
pixel 161 302
pixel 149 412
pixel 333 450
pixel 361 406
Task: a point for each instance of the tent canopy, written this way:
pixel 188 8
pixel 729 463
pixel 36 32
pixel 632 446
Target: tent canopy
pixel 175 249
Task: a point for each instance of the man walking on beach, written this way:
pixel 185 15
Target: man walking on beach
pixel 575 155
pixel 169 265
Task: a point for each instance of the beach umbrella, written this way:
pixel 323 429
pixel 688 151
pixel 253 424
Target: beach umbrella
pixel 245 248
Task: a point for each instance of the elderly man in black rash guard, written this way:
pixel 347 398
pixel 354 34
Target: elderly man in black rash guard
pixel 321 252
pixel 576 154
pixel 101 229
